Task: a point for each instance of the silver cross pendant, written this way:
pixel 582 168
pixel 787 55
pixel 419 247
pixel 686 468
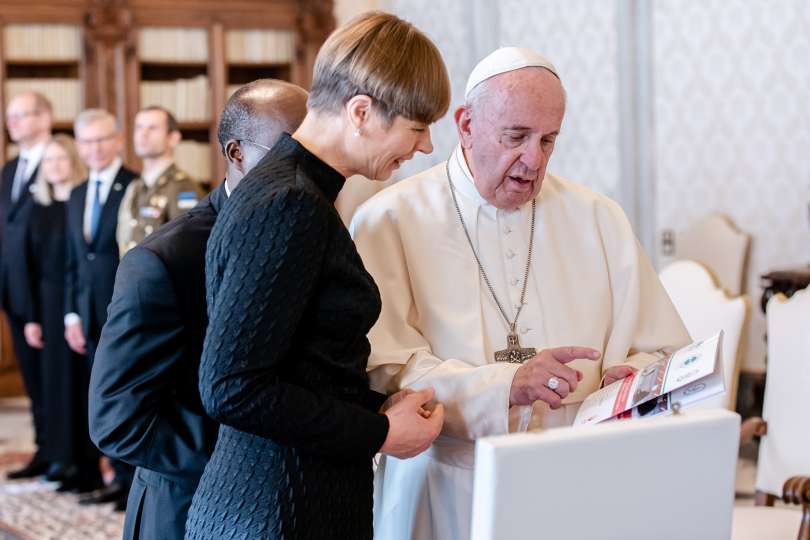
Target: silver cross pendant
pixel 514 353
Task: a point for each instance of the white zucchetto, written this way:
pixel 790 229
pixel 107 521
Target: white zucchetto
pixel 504 60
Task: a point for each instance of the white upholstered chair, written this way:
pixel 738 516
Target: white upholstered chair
pixel 706 309
pixel 665 478
pixel 716 243
pixel 783 467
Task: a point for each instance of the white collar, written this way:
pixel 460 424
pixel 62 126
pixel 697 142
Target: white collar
pixel 108 173
pixel 151 179
pixel 33 154
pixel 462 178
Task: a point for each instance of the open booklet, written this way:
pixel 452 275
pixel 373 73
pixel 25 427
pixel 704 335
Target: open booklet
pixel 685 377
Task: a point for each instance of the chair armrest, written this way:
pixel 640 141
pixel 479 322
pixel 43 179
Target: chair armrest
pixel 797 491
pixel 753 427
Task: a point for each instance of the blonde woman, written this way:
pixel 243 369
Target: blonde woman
pixel 283 368
pixel 64 416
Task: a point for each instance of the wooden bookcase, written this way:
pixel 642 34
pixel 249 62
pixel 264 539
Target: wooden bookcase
pixel 158 65
pixel 54 68
pixel 110 70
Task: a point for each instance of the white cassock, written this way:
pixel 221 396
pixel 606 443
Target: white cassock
pixel 590 284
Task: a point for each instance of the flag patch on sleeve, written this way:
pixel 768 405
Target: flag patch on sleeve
pixel 186 200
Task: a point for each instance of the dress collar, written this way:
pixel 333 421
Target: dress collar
pixel 462 178
pixel 218 197
pixel 167 167
pixel 324 176
pixel 33 155
pixel 108 173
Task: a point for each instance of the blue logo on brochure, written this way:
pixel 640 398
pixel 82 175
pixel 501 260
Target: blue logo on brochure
pixel 690 360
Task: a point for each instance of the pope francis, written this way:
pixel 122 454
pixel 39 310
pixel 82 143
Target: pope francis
pixel 512 292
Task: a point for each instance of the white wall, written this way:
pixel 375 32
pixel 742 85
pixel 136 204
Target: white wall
pixel 345 10
pixel 717 105
pixel 581 38
pixel 732 127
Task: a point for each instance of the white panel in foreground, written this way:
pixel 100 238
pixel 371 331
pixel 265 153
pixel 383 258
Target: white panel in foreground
pixel 663 478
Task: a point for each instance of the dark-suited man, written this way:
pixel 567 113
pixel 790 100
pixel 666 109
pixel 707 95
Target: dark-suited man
pixel 145 407
pixel 28 118
pixel 92 259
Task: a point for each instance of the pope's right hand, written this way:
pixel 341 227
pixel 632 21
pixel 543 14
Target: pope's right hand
pixel 75 338
pixel 409 432
pixel 531 381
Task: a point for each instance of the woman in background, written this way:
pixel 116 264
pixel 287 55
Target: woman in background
pixel 67 439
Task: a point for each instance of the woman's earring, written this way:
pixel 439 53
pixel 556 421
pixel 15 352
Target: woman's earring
pixel 357 132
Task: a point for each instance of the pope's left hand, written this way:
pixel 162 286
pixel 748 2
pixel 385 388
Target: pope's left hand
pixel 616 373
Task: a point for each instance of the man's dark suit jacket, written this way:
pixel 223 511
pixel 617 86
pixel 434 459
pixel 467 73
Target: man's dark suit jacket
pixel 15 298
pixel 145 407
pixel 90 274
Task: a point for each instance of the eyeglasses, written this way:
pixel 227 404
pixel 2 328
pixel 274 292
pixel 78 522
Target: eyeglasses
pixel 20 115
pixel 254 143
pixel 97 140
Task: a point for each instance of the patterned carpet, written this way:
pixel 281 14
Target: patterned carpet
pixel 31 510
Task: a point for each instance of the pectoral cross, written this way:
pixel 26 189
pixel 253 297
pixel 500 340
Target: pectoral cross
pixel 514 353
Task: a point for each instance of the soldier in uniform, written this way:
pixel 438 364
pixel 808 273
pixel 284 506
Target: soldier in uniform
pixel 163 191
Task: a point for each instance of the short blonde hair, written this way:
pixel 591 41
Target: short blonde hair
pixel 89 116
pixel 43 191
pixel 380 55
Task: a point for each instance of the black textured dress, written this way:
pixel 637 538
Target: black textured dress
pixel 64 386
pixel 283 367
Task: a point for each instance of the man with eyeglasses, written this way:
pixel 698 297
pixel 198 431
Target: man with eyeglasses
pixel 145 406
pixel 28 118
pixel 163 191
pixel 92 260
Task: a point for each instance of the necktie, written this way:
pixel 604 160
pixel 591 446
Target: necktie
pixel 95 211
pixel 19 179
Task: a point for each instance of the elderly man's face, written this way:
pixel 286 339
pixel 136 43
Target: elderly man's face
pixel 99 143
pixel 508 134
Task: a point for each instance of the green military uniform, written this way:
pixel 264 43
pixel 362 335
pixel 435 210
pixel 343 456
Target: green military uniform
pixel 144 209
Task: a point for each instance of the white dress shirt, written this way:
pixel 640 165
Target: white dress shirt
pixel 107 177
pixel 32 158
